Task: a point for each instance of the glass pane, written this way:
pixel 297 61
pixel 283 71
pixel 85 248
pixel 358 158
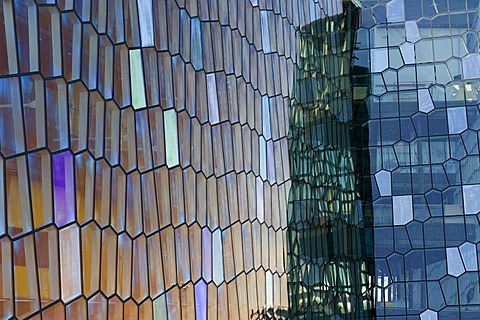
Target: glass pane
pixel 26 282
pixel 70 263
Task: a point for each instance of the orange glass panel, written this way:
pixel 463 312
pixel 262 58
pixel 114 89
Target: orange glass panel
pixel 39 165
pixel 108 261
pixel 124 266
pixel 115 309
pixel 91 258
pixel 140 271
pixel 46 245
pixel 77 309
pixel 97 307
pixel 25 277
pixel 6 278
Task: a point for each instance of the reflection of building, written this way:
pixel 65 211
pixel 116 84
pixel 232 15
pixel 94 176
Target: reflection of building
pixel 330 271
pixel 239 159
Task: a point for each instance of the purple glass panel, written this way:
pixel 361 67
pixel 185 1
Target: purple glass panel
pixel 63 188
pixel 201 300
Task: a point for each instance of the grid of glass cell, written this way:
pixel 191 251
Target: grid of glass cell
pixel 144 168
pixel 418 73
pixel 146 173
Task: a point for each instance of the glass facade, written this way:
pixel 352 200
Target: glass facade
pixel 422 61
pixel 239 159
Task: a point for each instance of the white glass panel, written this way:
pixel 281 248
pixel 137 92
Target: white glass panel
pixel 428 315
pixel 260 201
pixel 396 11
pixel 469 256
pixel 171 137
pixel 267 131
pixel 213 116
pixel 425 103
pixel 196 44
pixel 402 210
pixel 379 59
pixel 408 52
pixel 457 120
pixel 454 262
pixel 70 263
pixel 412 32
pixel 384 182
pixel 262 145
pixel 265 32
pixel 471 66
pixel 217 255
pixel 269 288
pixel 471 199
pixel 146 22
pixel 136 79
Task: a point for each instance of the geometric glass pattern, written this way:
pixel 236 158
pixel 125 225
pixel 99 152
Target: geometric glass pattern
pixel 239 159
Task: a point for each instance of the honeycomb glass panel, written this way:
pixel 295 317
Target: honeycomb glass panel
pixel 239 159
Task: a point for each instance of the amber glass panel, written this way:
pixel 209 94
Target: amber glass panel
pixel 182 254
pixel 124 266
pixel 91 258
pixel 108 261
pixel 105 66
pixel 84 178
pixel 115 22
pixel 140 272
pixel 115 309
pixel 212 299
pixel 78 113
pixel 188 301
pixel 97 307
pixel 25 277
pixel 155 265
pixel 103 175
pixel 39 165
pixel 167 241
pixel 6 278
pixel 77 309
pixel 130 310
pixel 134 205
pixel 173 303
pixel 163 196
pixel 50 41
pixel 71 45
pixel 112 125
pixel 195 246
pixel 96 122
pixel 155 116
pixel 145 311
pixel 128 153
pixel 149 202
pixel 18 196
pixel 121 78
pixel 89 60
pixel 177 198
pixel 119 187
pixel 57 311
pixel 46 245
